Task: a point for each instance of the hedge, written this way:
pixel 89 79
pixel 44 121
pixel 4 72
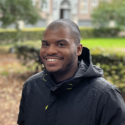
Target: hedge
pixel 94 33
pixel 112 64
pixel 8 36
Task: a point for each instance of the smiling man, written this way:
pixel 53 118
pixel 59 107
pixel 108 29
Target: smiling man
pixel 71 90
pixel 60 51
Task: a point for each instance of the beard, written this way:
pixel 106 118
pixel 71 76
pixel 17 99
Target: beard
pixel 66 65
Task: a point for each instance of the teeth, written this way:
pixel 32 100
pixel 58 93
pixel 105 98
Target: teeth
pixel 51 60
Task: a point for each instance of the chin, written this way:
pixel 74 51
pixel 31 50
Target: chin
pixel 52 70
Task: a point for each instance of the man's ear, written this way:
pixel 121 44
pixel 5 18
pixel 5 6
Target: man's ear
pixel 79 49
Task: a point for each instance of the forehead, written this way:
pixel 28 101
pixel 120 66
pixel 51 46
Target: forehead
pixel 62 32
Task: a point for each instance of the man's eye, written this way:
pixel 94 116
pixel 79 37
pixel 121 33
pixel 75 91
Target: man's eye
pixel 61 44
pixel 45 44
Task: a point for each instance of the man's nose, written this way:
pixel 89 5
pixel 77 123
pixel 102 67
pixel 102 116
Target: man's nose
pixel 51 50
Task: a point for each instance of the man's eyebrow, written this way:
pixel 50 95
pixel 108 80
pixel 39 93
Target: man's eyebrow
pixel 62 40
pixel 44 41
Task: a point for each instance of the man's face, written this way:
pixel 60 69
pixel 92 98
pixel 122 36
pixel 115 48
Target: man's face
pixel 59 53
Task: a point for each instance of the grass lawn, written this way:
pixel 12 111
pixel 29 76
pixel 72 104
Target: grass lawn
pixel 108 43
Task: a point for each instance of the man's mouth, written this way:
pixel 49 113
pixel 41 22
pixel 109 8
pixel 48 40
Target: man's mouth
pixel 52 60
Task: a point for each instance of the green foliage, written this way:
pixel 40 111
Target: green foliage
pixel 101 32
pixel 113 66
pixel 8 36
pixel 109 11
pixel 4 73
pixel 29 56
pixel 13 11
pixel 111 63
pixel 106 32
pixel 87 33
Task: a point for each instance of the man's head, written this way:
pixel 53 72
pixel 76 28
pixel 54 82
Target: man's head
pixel 66 23
pixel 61 47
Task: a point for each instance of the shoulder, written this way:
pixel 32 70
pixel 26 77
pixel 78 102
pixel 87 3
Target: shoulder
pixel 36 76
pixel 33 79
pixel 103 85
pixel 109 92
pixel 105 89
pixel 110 102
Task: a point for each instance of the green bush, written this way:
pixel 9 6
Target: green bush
pixel 112 64
pixel 86 33
pixel 8 36
pixel 97 33
pixel 106 32
pixel 113 67
pixel 29 56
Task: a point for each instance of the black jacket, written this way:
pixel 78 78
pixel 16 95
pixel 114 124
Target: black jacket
pixel 85 99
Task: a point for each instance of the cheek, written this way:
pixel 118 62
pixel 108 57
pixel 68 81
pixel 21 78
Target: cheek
pixel 74 52
pixel 41 53
pixel 71 56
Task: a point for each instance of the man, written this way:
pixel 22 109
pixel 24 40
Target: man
pixel 71 90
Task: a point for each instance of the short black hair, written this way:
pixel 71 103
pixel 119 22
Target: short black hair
pixel 61 23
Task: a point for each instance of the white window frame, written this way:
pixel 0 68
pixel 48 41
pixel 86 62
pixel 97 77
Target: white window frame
pixel 84 3
pixel 33 2
pixel 43 8
pixel 94 2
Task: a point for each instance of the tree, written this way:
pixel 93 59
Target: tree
pixel 12 11
pixel 108 12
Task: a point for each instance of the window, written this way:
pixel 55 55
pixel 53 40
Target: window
pixel 45 5
pixel 84 6
pixel 33 2
pixel 65 4
pixel 94 2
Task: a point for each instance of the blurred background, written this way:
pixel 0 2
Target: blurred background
pixel 22 22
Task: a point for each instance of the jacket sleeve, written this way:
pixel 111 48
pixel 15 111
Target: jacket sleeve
pixel 21 115
pixel 113 112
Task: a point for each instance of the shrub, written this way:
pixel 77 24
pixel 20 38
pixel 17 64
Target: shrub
pixel 111 63
pixel 113 67
pixel 102 32
pixel 29 56
pixel 8 36
pixel 106 32
pixel 87 33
